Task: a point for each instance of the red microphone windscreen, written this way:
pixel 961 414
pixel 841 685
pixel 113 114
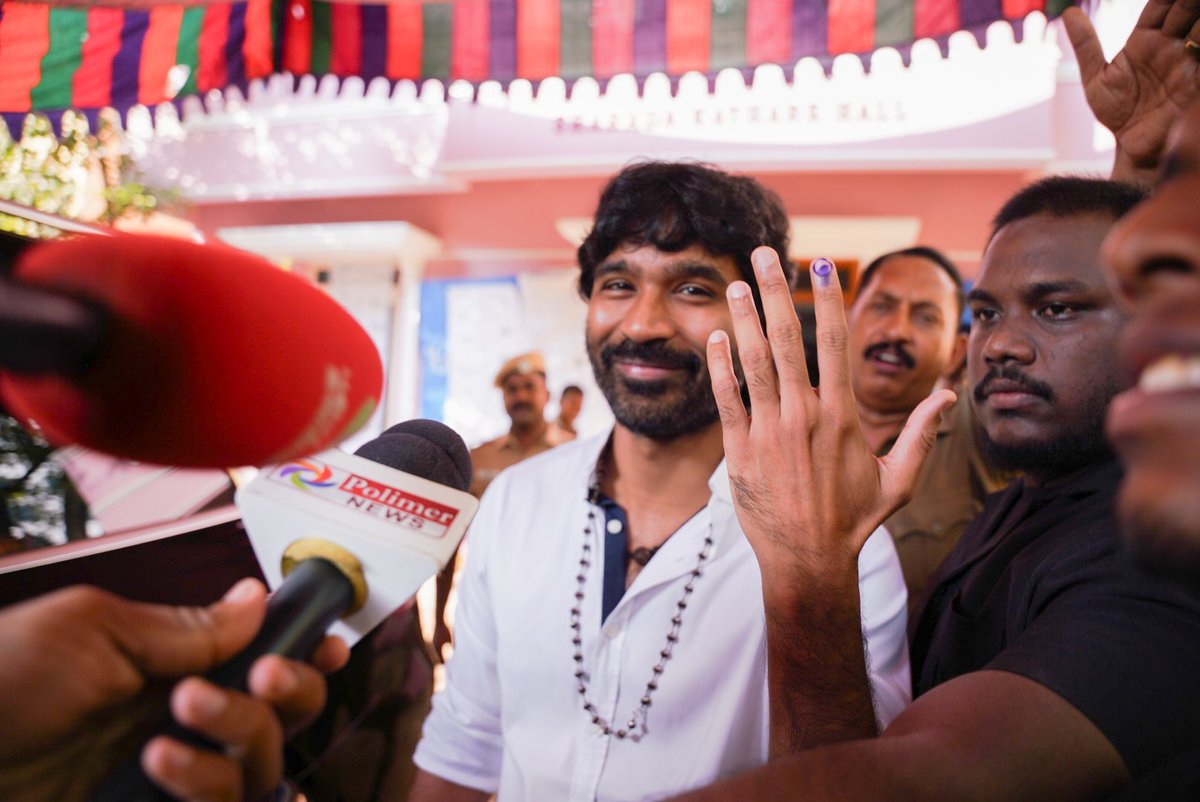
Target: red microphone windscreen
pixel 215 358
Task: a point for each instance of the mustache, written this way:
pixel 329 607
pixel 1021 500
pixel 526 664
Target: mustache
pixel 1014 376
pixel 895 347
pixel 653 352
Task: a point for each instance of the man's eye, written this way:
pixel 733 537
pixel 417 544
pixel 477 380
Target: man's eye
pixel 615 285
pixel 983 315
pixel 696 290
pixel 1058 311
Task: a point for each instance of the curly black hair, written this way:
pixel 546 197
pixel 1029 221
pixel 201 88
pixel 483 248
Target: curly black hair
pixel 674 205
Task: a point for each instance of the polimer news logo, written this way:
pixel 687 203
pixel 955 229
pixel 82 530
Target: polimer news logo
pixel 307 473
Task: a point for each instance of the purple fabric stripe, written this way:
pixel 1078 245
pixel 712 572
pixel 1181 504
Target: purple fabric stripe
pixel 810 26
pixel 502 36
pixel 649 36
pixel 128 61
pixel 976 13
pixel 235 60
pixel 15 120
pixel 374 41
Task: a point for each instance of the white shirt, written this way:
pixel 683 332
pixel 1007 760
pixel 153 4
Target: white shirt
pixel 511 720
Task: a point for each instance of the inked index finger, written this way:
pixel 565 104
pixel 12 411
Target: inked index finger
pixel 833 337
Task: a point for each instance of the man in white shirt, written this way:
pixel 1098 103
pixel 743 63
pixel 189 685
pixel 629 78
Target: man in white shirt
pixel 611 634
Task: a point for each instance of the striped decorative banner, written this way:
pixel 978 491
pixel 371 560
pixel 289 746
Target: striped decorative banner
pixel 52 58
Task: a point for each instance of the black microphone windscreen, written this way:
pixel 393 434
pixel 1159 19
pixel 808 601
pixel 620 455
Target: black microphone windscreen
pixel 424 448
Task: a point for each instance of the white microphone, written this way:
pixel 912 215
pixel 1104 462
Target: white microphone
pixel 387 518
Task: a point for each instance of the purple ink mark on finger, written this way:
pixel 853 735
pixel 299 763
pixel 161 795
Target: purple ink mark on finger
pixel 823 269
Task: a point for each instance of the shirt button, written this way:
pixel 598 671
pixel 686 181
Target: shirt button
pixel 613 526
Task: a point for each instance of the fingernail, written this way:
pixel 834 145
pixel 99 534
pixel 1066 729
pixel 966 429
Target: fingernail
pixel 207 700
pixel 822 268
pixel 718 336
pixel 762 260
pixel 738 290
pixel 244 589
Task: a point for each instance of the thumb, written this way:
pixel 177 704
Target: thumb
pixel 916 440
pixel 170 641
pixel 1084 42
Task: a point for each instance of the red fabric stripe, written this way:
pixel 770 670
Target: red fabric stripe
pixel 688 35
pixel 158 53
pixel 538 24
pixel 257 46
pixel 612 39
pixel 768 31
pixel 469 44
pixel 934 18
pixel 346 22
pixel 1017 9
pixel 213 32
pixel 24 40
pixel 297 53
pixel 91 85
pixel 405 35
pixel 851 26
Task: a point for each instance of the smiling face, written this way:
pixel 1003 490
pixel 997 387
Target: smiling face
pixel 903 332
pixel 1155 259
pixel 649 317
pixel 1040 354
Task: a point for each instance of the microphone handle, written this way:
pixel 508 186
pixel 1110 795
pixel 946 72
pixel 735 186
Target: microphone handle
pixel 314 595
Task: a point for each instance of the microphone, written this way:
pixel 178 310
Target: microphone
pixel 166 351
pixel 345 540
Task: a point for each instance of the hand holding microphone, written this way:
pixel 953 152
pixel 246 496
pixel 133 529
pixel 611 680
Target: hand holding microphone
pixel 76 669
pixel 166 351
pixel 346 540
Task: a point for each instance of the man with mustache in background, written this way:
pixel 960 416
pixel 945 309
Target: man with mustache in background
pixel 610 634
pixel 904 343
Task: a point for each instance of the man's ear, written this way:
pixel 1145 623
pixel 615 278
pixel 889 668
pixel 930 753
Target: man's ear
pixel 957 354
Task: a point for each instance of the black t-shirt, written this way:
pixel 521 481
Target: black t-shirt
pixel 1040 586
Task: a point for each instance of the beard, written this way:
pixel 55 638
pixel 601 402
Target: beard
pixel 661 410
pixel 1080 444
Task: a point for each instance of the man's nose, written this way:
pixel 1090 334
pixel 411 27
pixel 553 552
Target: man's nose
pixel 897 326
pixel 1007 341
pixel 1157 241
pixel 648 318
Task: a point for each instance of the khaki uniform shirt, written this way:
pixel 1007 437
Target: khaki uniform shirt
pixel 494 456
pixel 948 494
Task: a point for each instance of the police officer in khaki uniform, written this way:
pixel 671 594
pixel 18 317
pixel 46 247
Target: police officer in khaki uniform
pixel 522 380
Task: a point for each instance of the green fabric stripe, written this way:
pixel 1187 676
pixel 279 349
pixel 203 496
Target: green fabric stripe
pixel 322 34
pixel 575 57
pixel 1055 8
pixel 68 26
pixel 278 9
pixel 728 41
pixel 187 51
pixel 893 22
pixel 437 19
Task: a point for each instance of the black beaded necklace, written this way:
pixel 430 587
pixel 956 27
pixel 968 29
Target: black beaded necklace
pixel 635 729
